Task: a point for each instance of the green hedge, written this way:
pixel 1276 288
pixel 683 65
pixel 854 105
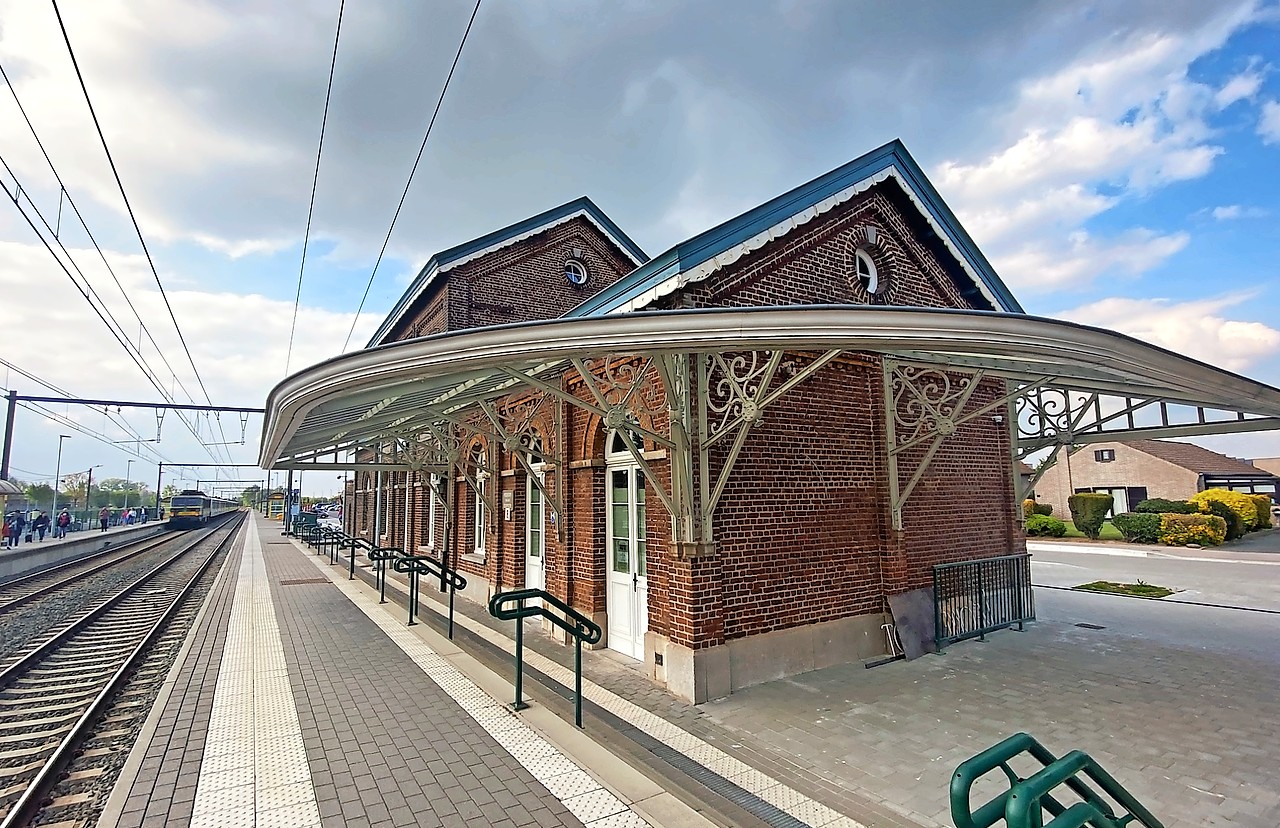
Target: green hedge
pixel 1043 526
pixel 1089 510
pixel 1044 509
pixel 1138 527
pixel 1160 506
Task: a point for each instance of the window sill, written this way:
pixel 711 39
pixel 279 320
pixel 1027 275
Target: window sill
pixel 472 557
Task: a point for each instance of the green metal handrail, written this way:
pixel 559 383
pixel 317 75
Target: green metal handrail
pixel 379 555
pixel 418 565
pixel 582 629
pixel 1024 803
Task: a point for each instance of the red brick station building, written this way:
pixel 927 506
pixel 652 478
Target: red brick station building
pixel 729 455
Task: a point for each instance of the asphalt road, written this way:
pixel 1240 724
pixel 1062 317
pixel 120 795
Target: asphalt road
pixel 1247 583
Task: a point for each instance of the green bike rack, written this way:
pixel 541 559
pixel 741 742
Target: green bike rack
pixel 1024 804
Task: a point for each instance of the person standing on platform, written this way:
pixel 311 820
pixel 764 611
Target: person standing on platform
pixel 61 524
pixel 104 517
pixel 16 528
pixel 41 525
pixel 4 531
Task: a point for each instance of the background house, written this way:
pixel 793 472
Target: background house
pixel 1134 471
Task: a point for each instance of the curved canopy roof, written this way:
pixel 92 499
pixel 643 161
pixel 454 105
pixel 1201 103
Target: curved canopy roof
pixel 359 398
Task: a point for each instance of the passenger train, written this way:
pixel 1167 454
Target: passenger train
pixel 192 507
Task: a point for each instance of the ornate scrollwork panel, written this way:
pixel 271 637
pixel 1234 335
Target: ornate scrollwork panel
pixel 926 401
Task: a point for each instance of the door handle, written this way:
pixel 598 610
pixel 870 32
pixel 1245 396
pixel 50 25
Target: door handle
pixel 634 582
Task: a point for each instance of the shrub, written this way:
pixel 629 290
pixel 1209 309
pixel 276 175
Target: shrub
pixel 1179 530
pixel 1044 509
pixel 1028 508
pixel 1235 526
pixel 1263 502
pixel 1043 526
pixel 1138 528
pixel 1160 506
pixel 1239 502
pixel 1089 510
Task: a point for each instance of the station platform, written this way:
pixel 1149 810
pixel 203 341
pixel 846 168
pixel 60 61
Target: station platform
pixel 35 554
pixel 300 700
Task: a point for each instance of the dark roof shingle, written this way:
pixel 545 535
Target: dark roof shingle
pixel 1195 458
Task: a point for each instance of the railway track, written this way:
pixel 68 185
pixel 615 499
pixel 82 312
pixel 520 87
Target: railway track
pixel 27 588
pixel 51 698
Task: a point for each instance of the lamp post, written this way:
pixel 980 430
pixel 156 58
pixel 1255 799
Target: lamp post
pixel 88 486
pixel 128 468
pixel 57 470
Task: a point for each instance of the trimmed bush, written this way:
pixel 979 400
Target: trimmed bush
pixel 1160 506
pixel 1180 530
pixel 1263 502
pixel 1089 510
pixel 1235 526
pixel 1044 509
pixel 1043 526
pixel 1028 508
pixel 1239 502
pixel 1138 528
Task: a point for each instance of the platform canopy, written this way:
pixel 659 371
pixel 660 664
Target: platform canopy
pixel 1064 384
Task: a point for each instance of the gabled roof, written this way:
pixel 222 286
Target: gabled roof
pixel 702 255
pixel 512 233
pixel 1196 458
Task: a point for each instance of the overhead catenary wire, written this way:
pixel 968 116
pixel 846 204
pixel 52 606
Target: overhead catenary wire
pixel 394 218
pixel 65 193
pixel 129 208
pixel 123 424
pixel 315 179
pixel 87 292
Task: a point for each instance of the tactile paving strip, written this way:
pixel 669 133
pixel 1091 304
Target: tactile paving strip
pixel 255 770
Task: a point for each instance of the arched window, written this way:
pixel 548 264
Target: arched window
pixel 866 273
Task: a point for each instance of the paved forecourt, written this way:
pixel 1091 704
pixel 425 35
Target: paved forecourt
pixel 301 702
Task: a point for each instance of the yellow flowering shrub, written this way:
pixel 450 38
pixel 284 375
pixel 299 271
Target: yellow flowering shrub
pixel 1263 502
pixel 1238 502
pixel 1180 530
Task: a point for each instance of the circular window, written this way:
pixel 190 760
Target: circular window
pixel 866 273
pixel 575 272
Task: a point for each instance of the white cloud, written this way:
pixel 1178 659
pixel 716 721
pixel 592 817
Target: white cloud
pixel 1242 87
pixel 1119 122
pixel 1081 259
pixel 1228 212
pixel 1196 328
pixel 1269 123
pixel 237 341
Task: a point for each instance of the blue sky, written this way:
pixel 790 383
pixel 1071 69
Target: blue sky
pixel 1116 162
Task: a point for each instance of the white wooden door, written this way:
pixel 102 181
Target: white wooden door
pixel 628 591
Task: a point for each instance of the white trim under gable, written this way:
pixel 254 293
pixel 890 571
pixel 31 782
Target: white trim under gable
pixel 498 245
pixel 782 228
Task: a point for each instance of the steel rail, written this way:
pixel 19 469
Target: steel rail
pixel 25 808
pixel 128 554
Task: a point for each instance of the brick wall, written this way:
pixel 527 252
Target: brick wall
pixel 520 282
pixel 1130 468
